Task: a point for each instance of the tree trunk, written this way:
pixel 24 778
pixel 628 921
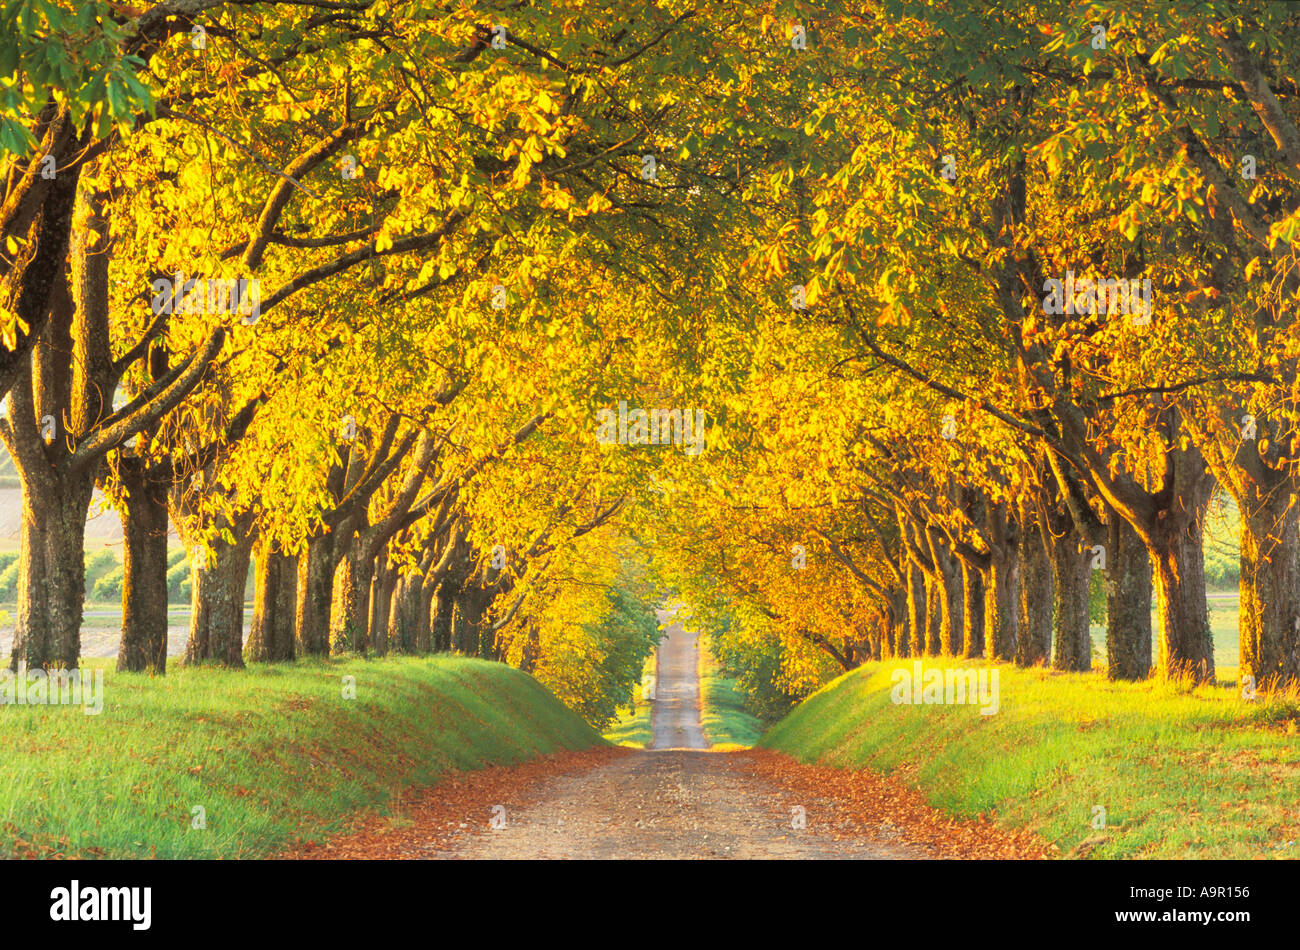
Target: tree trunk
pixel 937 602
pixel 914 645
pixel 467 620
pixel 1270 588
pixel 876 633
pixel 316 567
pixel 532 649
pixel 381 603
pixel 1071 581
pixel 424 618
pixel 1036 598
pixel 275 583
pixel 444 608
pixel 52 579
pixel 1182 616
pixel 896 632
pixel 952 603
pixel 403 612
pixel 1128 604
pixel 1002 605
pixel 217 600
pixel 350 613
pixel 973 629
pixel 144 571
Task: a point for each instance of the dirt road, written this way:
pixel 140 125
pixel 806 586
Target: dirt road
pixel 675 800
pixel 676 717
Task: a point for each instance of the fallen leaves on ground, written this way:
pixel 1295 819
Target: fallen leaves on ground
pixel 428 821
pixel 871 804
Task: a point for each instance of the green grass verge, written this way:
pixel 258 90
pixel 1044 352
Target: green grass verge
pixel 726 724
pixel 634 728
pixel 1180 773
pixel 271 754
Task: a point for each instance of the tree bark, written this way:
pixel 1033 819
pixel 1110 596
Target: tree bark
pixel 1182 615
pixel 316 566
pixel 275 582
pixel 217 599
pixel 973 628
pixel 1036 594
pixel 1071 581
pixel 144 571
pixel 1270 590
pixel 381 602
pixel 350 611
pixel 1128 604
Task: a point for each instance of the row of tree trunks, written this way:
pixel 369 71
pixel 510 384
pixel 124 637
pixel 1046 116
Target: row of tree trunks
pixel 1036 581
pixel 391 611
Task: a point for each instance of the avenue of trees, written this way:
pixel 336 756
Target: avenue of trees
pixel 923 452
pixel 339 288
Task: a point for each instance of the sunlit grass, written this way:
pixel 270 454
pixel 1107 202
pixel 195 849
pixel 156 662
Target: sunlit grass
pixel 270 753
pixel 633 727
pixel 1181 771
pixel 726 724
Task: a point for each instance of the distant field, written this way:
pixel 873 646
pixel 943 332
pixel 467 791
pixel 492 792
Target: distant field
pixel 101 629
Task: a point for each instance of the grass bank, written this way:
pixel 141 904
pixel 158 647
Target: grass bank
pixel 263 756
pixel 726 724
pixel 1180 773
